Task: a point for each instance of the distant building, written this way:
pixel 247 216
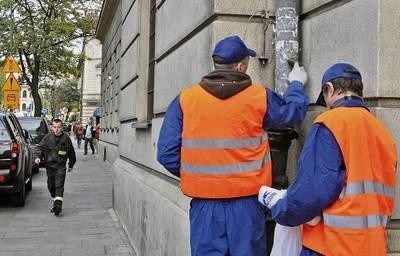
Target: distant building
pixel 26 103
pixel 90 81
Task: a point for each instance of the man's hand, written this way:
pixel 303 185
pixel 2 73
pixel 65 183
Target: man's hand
pixel 37 161
pixel 69 169
pixel 269 196
pixel 298 74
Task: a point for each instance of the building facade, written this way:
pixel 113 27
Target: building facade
pixel 26 104
pixel 91 79
pixel 151 49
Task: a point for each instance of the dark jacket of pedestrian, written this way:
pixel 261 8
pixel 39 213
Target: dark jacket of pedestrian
pixel 92 129
pixel 57 150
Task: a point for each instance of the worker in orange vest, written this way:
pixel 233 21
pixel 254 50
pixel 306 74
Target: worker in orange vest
pixel 213 137
pixel 346 175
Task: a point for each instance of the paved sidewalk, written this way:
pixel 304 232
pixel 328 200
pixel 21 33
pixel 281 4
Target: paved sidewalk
pixel 88 225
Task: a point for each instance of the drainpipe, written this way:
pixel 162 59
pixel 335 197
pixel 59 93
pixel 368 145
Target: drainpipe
pixel 286 42
pixel 286 50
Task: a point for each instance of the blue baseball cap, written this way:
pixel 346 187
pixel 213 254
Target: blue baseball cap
pixel 232 50
pixel 339 70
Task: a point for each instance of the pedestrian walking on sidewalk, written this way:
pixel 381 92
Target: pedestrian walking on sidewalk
pixel 57 149
pixel 213 137
pixel 90 133
pixel 78 131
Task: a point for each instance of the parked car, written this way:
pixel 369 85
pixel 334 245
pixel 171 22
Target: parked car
pixel 37 128
pixel 16 158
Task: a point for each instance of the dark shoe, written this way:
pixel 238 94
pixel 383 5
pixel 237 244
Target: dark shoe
pixel 92 153
pixel 57 208
pixel 85 153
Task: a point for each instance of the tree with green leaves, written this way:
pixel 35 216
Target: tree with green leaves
pixel 64 96
pixel 47 37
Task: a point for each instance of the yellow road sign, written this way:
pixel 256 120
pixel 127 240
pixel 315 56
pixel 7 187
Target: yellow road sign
pixel 11 84
pixel 11 66
pixel 11 100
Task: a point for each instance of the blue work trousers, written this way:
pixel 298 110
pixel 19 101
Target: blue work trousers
pixel 228 227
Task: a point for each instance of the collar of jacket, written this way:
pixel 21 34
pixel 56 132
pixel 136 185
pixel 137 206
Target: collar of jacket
pixel 225 83
pixel 350 101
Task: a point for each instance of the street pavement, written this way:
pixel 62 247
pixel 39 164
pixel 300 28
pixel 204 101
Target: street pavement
pixel 88 225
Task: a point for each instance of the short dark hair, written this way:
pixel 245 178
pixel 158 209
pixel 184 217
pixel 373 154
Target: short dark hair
pixel 57 120
pixel 219 64
pixel 347 84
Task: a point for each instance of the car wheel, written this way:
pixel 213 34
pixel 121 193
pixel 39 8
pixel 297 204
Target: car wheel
pixel 19 197
pixel 28 185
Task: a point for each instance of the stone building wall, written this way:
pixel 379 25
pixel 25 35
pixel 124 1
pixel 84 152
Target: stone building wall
pixel 154 48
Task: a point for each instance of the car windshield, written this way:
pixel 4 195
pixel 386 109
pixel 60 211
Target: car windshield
pixel 35 127
pixel 3 132
pixel 30 125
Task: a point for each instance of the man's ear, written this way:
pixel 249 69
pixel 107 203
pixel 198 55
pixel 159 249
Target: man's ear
pixel 329 89
pixel 238 67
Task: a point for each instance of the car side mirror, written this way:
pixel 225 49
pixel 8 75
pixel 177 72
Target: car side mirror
pixel 26 135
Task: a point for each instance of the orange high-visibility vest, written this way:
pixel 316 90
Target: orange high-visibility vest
pixel 354 225
pixel 225 151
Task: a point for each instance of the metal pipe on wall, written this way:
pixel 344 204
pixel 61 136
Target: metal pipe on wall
pixel 286 53
pixel 286 42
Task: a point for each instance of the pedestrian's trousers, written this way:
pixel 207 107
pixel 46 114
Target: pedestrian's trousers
pixel 85 147
pixel 227 227
pixel 55 181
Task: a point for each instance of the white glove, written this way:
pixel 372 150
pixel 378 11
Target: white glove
pixel 269 196
pixel 37 161
pixel 314 221
pixel 298 74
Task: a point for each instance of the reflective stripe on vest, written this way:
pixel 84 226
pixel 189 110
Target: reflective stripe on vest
pixel 363 187
pixel 355 222
pixel 225 151
pixel 226 169
pixel 226 143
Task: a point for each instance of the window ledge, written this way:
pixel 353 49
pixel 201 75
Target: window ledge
pixel 141 125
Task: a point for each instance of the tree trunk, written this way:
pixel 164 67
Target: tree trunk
pixel 38 103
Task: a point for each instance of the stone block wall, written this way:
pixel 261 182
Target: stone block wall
pixel 147 198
